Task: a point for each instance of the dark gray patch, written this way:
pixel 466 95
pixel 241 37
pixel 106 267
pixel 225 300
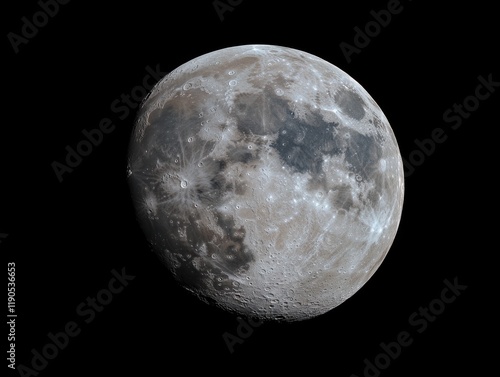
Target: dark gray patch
pixel 350 103
pixel 226 254
pixel 377 123
pixel 260 113
pixel 281 82
pixel 169 152
pixel 240 188
pixel 301 146
pixel 178 254
pixel 154 115
pixel 342 198
pixel 362 154
pixel 231 254
pixel 373 196
pixel 380 129
pixel 241 154
pixel 167 135
pixel 212 194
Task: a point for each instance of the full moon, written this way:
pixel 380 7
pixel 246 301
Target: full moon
pixel 268 181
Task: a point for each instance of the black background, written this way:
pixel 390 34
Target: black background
pixel 65 238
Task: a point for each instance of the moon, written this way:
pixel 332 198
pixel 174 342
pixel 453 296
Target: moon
pixel 267 180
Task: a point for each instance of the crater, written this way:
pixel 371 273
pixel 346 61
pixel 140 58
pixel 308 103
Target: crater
pixel 350 103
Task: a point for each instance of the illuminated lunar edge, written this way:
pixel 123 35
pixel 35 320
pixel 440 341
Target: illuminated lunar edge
pixel 267 179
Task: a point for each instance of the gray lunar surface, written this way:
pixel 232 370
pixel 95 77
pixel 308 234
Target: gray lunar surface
pixel 267 179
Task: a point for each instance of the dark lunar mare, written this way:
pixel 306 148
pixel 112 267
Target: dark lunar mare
pixel 301 144
pixel 190 258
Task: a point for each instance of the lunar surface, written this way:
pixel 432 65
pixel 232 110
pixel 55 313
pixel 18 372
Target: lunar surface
pixel 267 180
